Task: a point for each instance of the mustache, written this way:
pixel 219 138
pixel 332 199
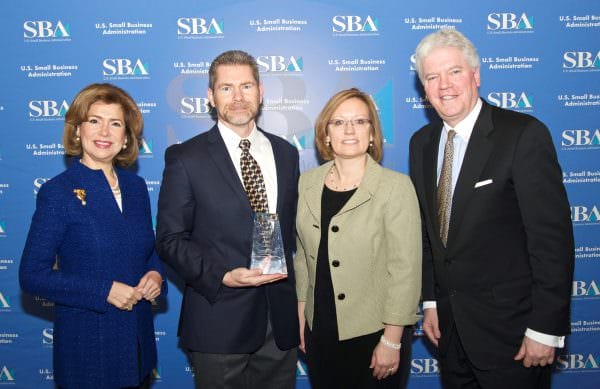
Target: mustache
pixel 240 105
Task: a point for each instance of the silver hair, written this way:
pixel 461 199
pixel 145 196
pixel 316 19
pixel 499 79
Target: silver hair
pixel 445 38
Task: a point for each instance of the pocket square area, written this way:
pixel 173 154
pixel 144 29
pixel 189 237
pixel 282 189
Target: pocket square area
pixel 483 183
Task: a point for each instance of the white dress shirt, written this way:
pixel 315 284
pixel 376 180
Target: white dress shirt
pixel 464 129
pixel 261 151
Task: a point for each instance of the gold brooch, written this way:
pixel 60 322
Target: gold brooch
pixel 80 194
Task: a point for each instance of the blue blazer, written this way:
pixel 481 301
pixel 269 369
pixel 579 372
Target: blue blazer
pixel 204 229
pixel 95 344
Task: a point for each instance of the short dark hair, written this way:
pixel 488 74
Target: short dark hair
pixel 232 57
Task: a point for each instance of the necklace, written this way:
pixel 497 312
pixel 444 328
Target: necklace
pixel 115 188
pixel 333 183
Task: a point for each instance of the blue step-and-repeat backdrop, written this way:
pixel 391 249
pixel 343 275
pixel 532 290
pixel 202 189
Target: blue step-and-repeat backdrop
pixel 542 58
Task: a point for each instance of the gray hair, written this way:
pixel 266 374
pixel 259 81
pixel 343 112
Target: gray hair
pixel 232 57
pixel 445 38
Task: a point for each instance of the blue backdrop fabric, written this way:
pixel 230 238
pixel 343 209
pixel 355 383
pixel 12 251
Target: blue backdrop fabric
pixel 542 58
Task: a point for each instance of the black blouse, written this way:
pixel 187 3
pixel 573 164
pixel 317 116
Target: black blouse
pixel 325 319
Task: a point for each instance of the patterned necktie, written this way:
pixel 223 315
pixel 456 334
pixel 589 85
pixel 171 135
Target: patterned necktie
pixel 254 182
pixel 444 194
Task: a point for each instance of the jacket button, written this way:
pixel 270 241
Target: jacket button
pixel 335 263
pixel 341 296
pixel 335 228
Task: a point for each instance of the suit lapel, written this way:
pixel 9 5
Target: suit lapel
pixel 430 159
pixel 367 187
pixel 477 154
pixel 280 167
pixel 220 155
pixel 314 191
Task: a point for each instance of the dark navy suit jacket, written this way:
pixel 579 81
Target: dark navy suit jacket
pixel 95 344
pixel 204 229
pixel 508 263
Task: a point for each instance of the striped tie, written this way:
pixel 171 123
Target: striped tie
pixel 444 194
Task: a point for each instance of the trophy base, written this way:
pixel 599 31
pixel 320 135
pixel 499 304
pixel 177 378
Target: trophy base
pixel 269 264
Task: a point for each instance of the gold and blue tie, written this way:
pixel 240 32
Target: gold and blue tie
pixel 254 183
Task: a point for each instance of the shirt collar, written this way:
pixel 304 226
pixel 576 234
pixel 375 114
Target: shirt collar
pixel 465 127
pixel 232 139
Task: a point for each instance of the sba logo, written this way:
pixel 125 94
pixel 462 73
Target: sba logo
pixel 582 214
pixel 2 227
pixel 577 362
pixel 301 370
pixel 194 105
pixel 145 146
pixel 48 336
pixel 6 375
pixel 509 22
pixel 424 366
pixel 581 60
pixel 37 184
pixel 511 100
pixel 580 138
pixel 45 29
pixel 124 67
pixel 354 24
pixel 278 63
pixel 413 63
pixel 4 301
pixel 199 26
pixel 582 288
pixel 47 108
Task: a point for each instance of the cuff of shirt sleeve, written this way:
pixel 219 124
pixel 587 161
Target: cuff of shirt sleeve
pixel 429 304
pixel 548 340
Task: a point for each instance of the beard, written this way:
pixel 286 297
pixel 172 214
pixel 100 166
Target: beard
pixel 241 115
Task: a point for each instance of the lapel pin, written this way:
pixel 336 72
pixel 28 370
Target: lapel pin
pixel 80 194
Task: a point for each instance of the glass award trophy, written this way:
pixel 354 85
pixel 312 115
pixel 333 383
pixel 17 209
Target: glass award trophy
pixel 267 244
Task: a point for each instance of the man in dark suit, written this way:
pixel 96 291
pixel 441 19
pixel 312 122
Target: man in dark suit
pixel 240 326
pixel 498 241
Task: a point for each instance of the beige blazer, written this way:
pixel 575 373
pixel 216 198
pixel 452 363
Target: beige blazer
pixel 375 241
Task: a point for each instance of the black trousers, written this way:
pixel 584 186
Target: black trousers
pixel 267 368
pixel 345 364
pixel 458 372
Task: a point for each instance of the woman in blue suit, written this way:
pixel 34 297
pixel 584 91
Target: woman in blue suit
pixel 90 248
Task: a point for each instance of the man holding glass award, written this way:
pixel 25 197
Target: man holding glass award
pixel 225 224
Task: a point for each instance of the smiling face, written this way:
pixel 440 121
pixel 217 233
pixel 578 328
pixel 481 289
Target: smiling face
pixel 349 129
pixel 102 135
pixel 237 97
pixel 451 85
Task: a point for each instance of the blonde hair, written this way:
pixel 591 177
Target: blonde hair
pixel 322 123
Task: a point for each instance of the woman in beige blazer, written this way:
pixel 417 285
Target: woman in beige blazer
pixel 358 260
